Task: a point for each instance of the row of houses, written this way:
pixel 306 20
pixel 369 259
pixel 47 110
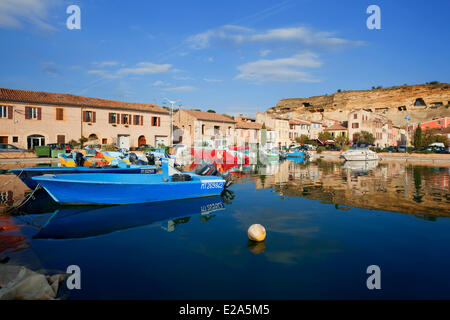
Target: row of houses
pixel 29 119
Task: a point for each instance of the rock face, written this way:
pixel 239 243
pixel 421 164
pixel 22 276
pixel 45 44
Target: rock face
pixel 421 102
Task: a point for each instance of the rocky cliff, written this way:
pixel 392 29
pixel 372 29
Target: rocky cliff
pixel 421 102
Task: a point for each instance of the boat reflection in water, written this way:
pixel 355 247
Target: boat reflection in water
pixel 360 167
pixel 68 223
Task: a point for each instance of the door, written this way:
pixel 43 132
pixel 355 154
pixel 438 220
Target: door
pixel 61 138
pixel 161 140
pixel 4 139
pixel 141 141
pixel 124 142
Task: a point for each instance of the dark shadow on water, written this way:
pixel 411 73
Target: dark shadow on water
pixel 91 221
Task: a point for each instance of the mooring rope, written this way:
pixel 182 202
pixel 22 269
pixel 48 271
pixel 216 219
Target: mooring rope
pixel 24 200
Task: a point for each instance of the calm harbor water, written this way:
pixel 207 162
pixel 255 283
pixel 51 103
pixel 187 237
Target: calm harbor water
pixel 326 223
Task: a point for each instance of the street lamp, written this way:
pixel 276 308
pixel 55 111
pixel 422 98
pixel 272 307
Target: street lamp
pixel 171 117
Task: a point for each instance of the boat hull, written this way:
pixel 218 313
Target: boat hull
pixel 107 188
pixel 360 157
pixel 300 154
pixel 27 174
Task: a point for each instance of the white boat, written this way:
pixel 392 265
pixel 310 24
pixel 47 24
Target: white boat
pixel 359 154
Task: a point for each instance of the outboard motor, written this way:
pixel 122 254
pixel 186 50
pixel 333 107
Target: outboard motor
pixel 207 169
pixel 79 159
pixel 150 158
pixel 133 158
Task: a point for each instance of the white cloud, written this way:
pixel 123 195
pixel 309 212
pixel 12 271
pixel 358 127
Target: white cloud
pixel 264 53
pixel 146 68
pixel 284 69
pixel 236 35
pixel 210 59
pixel 158 83
pixel 182 88
pixel 103 74
pixel 50 68
pixel 211 80
pixel 16 13
pixel 106 64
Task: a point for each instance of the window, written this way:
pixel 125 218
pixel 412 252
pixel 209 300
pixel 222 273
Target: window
pixel 59 114
pixel 15 139
pixel 355 125
pixel 89 116
pixel 104 141
pixel 138 120
pixel 113 118
pixel 33 113
pixel 156 121
pixel 216 129
pixel 126 119
pixel 203 129
pixel 60 138
pixel 4 112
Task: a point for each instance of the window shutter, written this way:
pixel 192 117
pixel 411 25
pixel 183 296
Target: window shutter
pixel 39 113
pixel 27 112
pixel 93 116
pixel 135 120
pixel 110 117
pixel 130 119
pixel 142 120
pixel 159 122
pixel 10 112
pixel 122 119
pixel 118 118
pixel 84 116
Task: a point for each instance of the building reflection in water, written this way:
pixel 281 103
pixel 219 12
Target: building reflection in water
pixel 418 190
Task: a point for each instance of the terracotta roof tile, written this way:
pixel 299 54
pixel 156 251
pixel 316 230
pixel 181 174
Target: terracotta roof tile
pixel 336 127
pixel 15 95
pixel 209 116
pixel 249 125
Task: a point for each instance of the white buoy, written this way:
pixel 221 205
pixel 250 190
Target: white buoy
pixel 256 232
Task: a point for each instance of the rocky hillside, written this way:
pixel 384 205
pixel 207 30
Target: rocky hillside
pixel 421 102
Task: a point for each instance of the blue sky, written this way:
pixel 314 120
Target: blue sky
pixel 230 56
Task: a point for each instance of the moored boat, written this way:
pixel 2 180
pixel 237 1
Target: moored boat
pixel 359 154
pixel 26 174
pixel 111 188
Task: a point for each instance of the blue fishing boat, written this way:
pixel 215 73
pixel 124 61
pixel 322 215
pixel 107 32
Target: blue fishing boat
pixel 27 174
pixel 111 188
pixel 297 153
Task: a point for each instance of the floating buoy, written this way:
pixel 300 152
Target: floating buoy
pixel 256 232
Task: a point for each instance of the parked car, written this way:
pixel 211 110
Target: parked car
pixel 401 148
pixel 4 147
pixel 392 149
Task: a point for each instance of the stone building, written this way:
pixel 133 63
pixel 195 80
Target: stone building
pixel 193 127
pixel 279 124
pixel 298 128
pixel 31 118
pixel 336 130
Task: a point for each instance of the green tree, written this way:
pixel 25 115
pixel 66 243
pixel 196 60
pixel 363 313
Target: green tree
pixel 365 137
pixel 341 139
pixel 418 138
pixel 302 139
pixel 211 111
pixel 82 140
pixel 263 125
pixel 325 135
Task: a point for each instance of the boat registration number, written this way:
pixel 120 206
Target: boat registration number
pixel 212 185
pixel 149 171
